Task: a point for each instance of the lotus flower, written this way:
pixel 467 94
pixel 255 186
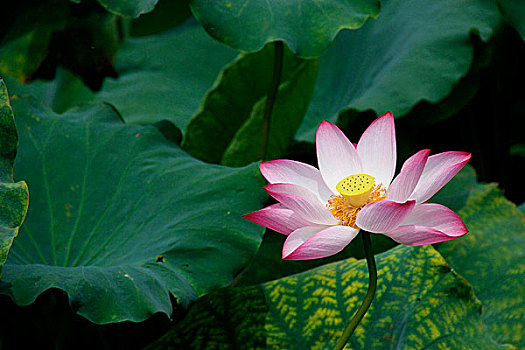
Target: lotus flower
pixel 322 210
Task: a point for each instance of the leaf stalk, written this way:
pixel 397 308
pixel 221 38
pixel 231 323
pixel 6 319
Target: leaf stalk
pixel 270 98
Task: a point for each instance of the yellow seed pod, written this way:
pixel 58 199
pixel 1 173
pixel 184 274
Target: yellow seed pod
pixel 356 189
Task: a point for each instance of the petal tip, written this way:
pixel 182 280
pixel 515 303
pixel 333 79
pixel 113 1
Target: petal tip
pixel 251 216
pixel 466 155
pixel 387 115
pixel 325 125
pixel 326 122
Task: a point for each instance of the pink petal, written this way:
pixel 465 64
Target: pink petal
pixel 296 190
pixel 404 183
pixel 312 243
pixel 437 216
pixel 289 171
pixel 307 208
pixel 278 218
pixel 377 149
pixel 336 155
pixel 440 168
pixel 383 216
pixel 417 235
pixel 429 223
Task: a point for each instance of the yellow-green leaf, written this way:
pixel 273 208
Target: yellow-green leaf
pixel 420 303
pixel 492 257
pixel 14 197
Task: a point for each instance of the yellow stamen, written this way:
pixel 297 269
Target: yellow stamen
pixel 356 191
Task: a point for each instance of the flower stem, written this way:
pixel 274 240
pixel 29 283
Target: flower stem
pixel 372 284
pixel 270 98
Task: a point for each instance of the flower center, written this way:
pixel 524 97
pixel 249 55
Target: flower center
pixel 355 192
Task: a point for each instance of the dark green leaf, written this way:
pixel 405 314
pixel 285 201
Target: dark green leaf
pixel 64 92
pixel 455 194
pixel 308 27
pixel 426 113
pixel 492 257
pixel 415 51
pixel 167 85
pixel 127 8
pixel 420 303
pixel 121 217
pixel 166 15
pixel 13 196
pixel 290 105
pixel 227 128
pixel 163 76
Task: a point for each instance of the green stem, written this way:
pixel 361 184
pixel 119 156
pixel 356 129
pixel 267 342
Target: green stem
pixel 372 284
pixel 270 98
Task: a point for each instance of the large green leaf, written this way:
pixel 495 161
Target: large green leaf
pixel 167 14
pixel 235 107
pixel 165 76
pixel 64 92
pixel 456 193
pixel 127 8
pixel 492 257
pixel 420 303
pixel 121 217
pixel 415 51
pixel 167 85
pixel 308 27
pixel 290 105
pixel 13 196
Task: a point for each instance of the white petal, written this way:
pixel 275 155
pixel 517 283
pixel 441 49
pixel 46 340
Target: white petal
pixel 296 190
pixel 289 171
pixel 336 155
pixel 308 209
pixel 377 149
